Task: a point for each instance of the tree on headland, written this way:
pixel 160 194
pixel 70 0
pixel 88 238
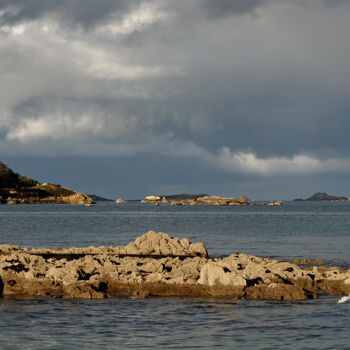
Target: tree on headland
pixel 8 179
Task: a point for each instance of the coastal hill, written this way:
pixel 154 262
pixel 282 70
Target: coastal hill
pixel 322 196
pixel 18 189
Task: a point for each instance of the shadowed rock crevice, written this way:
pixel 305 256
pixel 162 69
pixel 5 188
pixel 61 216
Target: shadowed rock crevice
pixel 283 279
pixel 1 287
pixel 254 282
pixel 17 268
pixel 102 287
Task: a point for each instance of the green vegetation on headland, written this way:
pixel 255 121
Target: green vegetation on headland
pixel 16 189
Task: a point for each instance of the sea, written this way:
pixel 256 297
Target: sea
pixel 296 230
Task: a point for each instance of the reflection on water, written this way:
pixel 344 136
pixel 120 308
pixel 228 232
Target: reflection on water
pixel 173 323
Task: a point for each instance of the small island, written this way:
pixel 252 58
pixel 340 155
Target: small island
pixel 322 196
pixel 205 200
pixel 18 189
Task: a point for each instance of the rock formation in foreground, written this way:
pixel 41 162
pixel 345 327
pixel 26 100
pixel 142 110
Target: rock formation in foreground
pixel 159 265
pixel 17 189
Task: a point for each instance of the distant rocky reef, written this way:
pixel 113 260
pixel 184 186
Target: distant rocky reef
pixel 156 264
pixel 322 196
pixel 17 189
pixel 183 199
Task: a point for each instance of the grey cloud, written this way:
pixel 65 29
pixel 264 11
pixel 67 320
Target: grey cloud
pixel 284 97
pixel 272 89
pixel 76 12
pixel 334 3
pixel 222 8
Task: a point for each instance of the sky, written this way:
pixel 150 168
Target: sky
pixel 130 98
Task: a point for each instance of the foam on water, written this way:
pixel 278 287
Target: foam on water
pixel 344 299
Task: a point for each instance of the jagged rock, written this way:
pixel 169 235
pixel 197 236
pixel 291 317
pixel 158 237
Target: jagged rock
pixel 151 199
pixel 7 248
pixel 156 264
pixel 214 200
pixel 76 198
pixel 318 261
pixel 158 243
pixel 275 203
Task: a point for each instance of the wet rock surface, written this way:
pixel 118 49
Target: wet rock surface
pixel 156 264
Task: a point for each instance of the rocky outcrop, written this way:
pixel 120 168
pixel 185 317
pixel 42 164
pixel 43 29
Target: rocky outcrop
pixel 215 200
pixel 156 264
pixel 184 199
pixel 150 244
pixel 77 198
pixel 275 203
pixel 151 199
pixel 120 200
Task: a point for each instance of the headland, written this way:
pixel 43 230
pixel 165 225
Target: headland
pixel 18 189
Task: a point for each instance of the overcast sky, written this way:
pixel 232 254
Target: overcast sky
pixel 130 97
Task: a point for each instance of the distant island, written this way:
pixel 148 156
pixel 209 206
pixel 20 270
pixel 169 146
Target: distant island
pixel 181 197
pixel 97 198
pixel 203 199
pixel 18 189
pixel 322 196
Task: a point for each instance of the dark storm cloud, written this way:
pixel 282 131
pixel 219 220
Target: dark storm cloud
pixel 76 12
pixel 221 8
pixel 188 82
pixel 333 3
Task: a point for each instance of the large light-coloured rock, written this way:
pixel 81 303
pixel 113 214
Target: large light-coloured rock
pixel 151 199
pixel 159 243
pixel 151 243
pixel 120 200
pixel 77 198
pixel 7 248
pixel 157 264
pixel 258 278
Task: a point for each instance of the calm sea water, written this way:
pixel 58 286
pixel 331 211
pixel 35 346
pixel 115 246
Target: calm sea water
pixel 298 229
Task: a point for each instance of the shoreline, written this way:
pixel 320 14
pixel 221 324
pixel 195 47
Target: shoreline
pixel 156 264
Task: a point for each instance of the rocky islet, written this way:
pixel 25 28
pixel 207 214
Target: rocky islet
pixel 156 264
